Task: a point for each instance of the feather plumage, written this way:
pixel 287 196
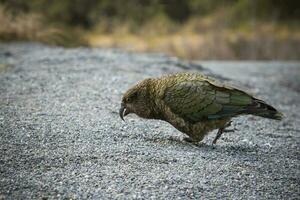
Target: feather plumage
pixel 193 103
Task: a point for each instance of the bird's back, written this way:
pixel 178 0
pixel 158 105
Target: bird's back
pixel 195 97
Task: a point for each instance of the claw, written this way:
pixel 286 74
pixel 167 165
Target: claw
pixel 228 124
pixel 229 130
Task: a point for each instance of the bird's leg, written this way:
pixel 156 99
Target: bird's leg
pixel 221 131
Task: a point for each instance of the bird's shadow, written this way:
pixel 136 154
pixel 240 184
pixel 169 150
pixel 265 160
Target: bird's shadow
pixel 207 146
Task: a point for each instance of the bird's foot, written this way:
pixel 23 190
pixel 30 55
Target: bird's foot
pixel 190 140
pixel 229 130
pixel 228 124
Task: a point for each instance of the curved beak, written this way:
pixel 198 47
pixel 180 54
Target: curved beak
pixel 123 111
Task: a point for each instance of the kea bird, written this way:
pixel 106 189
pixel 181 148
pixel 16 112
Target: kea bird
pixel 193 103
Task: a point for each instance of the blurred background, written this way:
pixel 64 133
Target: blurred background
pixel 189 29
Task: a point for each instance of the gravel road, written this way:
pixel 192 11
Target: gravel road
pixel 61 136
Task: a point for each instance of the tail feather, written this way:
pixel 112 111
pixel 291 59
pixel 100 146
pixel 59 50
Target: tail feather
pixel 262 109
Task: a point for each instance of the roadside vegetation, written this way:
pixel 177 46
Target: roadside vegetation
pixel 192 29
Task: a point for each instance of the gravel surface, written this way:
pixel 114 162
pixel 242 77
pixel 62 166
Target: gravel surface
pixel 62 138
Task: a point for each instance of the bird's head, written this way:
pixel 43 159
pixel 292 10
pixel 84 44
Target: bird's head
pixel 137 100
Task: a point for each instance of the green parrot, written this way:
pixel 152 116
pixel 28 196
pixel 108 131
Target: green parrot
pixel 193 103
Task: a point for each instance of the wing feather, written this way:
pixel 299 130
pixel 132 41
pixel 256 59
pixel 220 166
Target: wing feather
pixel 198 100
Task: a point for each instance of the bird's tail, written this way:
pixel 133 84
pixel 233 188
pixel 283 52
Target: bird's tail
pixel 262 109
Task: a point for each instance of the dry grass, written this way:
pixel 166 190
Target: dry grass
pixel 212 37
pixel 207 38
pixel 31 27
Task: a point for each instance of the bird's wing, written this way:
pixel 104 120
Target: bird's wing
pixel 198 100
